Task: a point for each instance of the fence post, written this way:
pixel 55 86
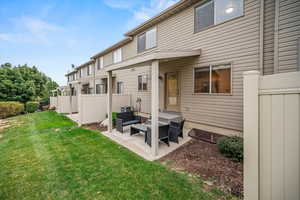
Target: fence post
pixel 251 135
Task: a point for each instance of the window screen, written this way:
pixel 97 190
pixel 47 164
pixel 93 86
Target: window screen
pixel 142 43
pixel 228 9
pixel 119 87
pixel 201 82
pixel 142 83
pixel 204 16
pixel 100 63
pixel 221 79
pixel 117 55
pixel 151 38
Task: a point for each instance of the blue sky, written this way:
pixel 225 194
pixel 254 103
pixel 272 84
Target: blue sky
pixel 53 34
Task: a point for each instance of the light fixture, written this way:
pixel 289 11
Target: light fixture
pixel 229 10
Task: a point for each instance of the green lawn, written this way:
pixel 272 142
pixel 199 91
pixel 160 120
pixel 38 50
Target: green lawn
pixel 45 156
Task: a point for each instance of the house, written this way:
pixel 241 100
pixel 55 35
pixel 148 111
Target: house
pixel 191 57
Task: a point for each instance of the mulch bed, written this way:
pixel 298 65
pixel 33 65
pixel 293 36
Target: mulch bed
pixel 204 159
pixel 96 126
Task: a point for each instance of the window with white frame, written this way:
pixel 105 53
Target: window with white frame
pixel 142 83
pixel 117 55
pixel 100 63
pixel 213 79
pixel 119 87
pixel 217 11
pixel 147 40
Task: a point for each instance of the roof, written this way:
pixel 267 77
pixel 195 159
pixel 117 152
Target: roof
pixel 80 66
pixel 113 47
pixel 85 64
pixel 72 72
pixel 177 7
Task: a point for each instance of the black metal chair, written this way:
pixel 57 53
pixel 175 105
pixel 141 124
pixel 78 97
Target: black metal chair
pixel 163 135
pixel 176 130
pixel 126 119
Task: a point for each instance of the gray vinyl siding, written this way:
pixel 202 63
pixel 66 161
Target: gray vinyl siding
pixel 288 35
pixel 269 25
pixel 235 42
pixel 129 77
pixel 108 59
pixel 129 50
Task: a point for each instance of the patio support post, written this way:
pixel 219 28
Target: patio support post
pixel 154 106
pixel 109 101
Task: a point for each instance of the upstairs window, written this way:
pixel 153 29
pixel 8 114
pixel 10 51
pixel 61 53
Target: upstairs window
pixel 100 63
pixel 204 16
pixel 142 83
pixel 147 40
pixel 217 11
pixel 88 70
pixel 117 55
pixel 214 79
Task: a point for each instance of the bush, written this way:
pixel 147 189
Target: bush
pixel 10 108
pixel 114 118
pixel 232 147
pixel 32 106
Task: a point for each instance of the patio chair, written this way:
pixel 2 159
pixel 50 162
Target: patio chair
pixel 176 130
pixel 162 136
pixel 126 119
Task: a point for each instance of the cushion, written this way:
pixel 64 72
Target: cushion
pixel 131 122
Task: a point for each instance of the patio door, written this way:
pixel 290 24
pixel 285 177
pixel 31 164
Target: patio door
pixel 172 92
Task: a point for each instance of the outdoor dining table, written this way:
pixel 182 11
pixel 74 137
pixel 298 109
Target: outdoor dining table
pixel 144 127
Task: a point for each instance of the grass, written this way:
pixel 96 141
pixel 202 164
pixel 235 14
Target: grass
pixel 45 156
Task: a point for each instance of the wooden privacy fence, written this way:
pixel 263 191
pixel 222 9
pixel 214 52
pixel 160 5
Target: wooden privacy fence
pixel 272 136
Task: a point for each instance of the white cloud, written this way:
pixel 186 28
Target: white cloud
pixel 30 30
pixel 4 36
pixel 122 4
pixel 35 25
pixel 140 13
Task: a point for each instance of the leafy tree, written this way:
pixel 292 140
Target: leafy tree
pixel 23 83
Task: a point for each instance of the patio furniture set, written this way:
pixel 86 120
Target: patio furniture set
pixel 170 126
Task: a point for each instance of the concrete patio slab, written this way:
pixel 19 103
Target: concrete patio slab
pixel 136 143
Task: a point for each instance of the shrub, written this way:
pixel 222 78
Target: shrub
pixel 114 118
pixel 10 108
pixel 232 147
pixel 32 106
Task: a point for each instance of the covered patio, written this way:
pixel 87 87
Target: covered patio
pixel 136 142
